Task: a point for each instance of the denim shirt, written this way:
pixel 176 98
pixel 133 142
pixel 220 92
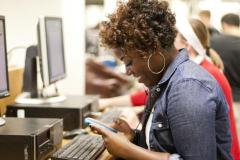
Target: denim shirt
pixel 190 115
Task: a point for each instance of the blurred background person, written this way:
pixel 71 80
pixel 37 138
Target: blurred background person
pixel 227 45
pixel 92 40
pixel 137 98
pixel 102 77
pixel 205 17
pixel 103 80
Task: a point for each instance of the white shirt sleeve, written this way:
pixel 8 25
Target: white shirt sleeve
pixel 175 157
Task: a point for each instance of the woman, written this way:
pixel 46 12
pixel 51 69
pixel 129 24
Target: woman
pixel 185 41
pixel 186 112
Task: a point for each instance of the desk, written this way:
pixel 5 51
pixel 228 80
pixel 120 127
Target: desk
pixel 15 84
pixel 103 156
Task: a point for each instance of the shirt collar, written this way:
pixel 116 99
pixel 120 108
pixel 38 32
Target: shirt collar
pixel 198 59
pixel 181 57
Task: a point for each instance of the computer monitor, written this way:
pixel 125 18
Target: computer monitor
pixel 4 86
pixel 51 49
pixel 49 52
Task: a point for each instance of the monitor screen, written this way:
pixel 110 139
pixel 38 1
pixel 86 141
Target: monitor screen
pixel 52 49
pixel 4 88
pixel 55 48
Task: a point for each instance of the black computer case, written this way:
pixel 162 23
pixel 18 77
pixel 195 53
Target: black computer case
pixel 30 138
pixel 73 110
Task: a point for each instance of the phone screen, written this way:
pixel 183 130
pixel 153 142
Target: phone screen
pixel 91 121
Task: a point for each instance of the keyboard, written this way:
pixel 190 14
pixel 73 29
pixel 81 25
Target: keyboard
pixel 109 116
pixel 82 147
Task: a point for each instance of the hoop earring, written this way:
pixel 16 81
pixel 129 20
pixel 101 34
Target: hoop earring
pixel 162 67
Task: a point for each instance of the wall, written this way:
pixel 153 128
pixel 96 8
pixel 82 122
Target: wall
pixel 21 19
pixel 73 13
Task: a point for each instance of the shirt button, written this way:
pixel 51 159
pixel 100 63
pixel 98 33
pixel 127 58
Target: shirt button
pixel 160 125
pixel 158 89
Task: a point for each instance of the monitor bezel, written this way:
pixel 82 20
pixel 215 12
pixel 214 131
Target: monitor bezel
pixel 44 56
pixel 7 92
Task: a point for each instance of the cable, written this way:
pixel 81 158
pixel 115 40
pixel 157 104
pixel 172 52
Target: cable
pixel 9 53
pixel 17 47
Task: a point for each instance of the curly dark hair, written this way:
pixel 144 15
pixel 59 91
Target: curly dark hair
pixel 140 25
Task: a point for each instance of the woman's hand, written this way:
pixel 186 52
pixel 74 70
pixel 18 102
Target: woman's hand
pixel 116 143
pixel 122 126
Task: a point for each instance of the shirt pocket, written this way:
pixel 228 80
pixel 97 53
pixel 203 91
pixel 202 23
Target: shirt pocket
pixel 162 134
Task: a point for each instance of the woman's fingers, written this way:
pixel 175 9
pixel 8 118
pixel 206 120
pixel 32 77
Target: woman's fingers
pixel 100 130
pixel 121 121
pixel 121 125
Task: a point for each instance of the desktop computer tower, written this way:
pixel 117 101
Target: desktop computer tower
pixel 30 138
pixel 73 110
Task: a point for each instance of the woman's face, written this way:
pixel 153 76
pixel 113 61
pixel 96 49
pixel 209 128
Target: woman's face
pixel 137 66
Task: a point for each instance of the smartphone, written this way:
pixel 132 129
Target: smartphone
pixel 91 121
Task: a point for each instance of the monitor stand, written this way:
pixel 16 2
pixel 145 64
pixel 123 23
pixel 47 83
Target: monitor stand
pixel 2 121
pixel 31 93
pixel 25 98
